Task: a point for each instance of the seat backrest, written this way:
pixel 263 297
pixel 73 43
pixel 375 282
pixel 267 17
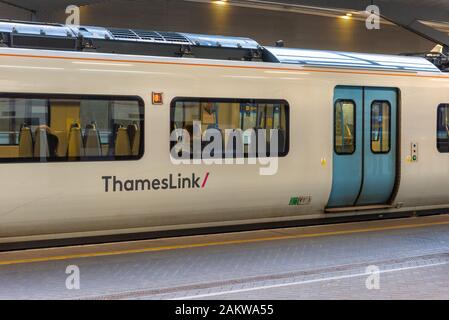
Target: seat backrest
pixel 122 144
pixel 92 144
pixel 62 143
pixel 75 145
pixel 234 143
pixel 281 140
pixel 25 143
pixel 41 144
pixel 225 144
pixel 134 138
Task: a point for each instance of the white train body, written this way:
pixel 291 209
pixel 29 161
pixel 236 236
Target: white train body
pixel 55 200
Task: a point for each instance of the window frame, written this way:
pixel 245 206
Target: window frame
pixel 236 100
pixel 98 97
pixel 389 127
pixel 335 127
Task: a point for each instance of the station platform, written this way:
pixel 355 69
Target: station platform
pixel 388 259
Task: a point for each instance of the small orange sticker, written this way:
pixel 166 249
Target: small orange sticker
pixel 157 98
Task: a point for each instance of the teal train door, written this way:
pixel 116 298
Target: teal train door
pixel 365 139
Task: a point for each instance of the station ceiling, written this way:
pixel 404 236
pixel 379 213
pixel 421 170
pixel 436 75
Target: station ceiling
pixel 42 5
pixel 432 10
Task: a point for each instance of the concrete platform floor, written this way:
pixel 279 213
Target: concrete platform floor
pixel 390 259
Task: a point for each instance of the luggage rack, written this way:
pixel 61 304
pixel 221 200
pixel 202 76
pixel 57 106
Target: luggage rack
pixel 17 34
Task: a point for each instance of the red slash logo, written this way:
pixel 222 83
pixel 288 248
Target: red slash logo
pixel 205 180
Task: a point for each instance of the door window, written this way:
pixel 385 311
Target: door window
pixel 380 126
pixel 344 127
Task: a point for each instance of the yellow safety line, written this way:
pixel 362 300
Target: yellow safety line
pixel 218 243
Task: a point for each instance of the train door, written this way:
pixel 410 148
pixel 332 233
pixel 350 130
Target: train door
pixel 365 138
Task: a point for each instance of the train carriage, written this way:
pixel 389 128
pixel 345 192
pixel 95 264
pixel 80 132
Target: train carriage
pixel 86 117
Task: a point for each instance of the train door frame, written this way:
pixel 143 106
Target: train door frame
pixel 337 202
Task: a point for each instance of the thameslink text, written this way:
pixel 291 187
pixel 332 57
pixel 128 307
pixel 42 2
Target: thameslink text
pixel 113 184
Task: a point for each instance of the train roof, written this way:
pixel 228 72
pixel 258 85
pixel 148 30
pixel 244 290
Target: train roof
pixel 319 58
pixel 176 44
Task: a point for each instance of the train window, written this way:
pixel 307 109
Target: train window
pixel 380 126
pixel 443 128
pixel 14 112
pixel 344 127
pixel 228 118
pixel 41 128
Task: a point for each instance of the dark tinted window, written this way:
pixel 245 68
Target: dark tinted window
pixel 229 118
pixel 443 128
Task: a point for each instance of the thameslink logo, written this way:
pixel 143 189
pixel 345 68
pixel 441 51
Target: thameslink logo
pixel 113 184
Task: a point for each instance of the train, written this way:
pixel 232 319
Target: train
pixel 87 116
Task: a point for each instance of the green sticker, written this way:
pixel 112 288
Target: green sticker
pixel 294 201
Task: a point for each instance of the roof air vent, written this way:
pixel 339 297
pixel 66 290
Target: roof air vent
pixel 124 34
pixel 149 35
pixel 174 37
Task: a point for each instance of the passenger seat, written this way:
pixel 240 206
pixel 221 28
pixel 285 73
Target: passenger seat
pixel 134 139
pixel 122 144
pixel 75 145
pixel 41 144
pixel 25 143
pixel 281 141
pixel 92 144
